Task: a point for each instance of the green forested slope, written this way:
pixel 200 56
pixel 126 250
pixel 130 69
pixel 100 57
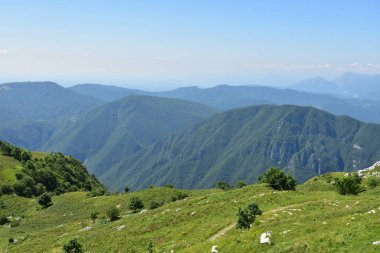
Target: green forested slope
pixel 30 174
pixel 241 143
pixel 109 133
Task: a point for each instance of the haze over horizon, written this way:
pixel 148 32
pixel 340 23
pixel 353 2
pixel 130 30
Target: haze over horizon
pixel 161 45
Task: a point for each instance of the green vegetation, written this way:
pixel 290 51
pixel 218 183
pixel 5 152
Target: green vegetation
pixel 32 111
pixel 135 204
pixel 240 184
pixel 278 180
pixel 350 184
pixel 314 218
pixel 73 246
pixel 242 143
pixel 44 200
pixel 124 127
pixel 113 213
pixel 247 216
pixel 94 216
pixel 223 186
pixel 28 176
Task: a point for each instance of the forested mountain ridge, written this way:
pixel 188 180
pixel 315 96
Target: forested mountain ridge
pixel 242 143
pixel 118 129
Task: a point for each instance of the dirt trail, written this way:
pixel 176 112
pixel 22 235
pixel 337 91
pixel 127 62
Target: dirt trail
pixel 222 232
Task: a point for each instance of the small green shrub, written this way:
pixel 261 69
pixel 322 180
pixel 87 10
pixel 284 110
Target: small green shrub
pixel 372 182
pixel 3 220
pixel 169 186
pixel 154 204
pixel 278 180
pixel 44 200
pixel 7 189
pixel 73 246
pixel 247 216
pixel 113 213
pixel 240 184
pixel 94 216
pixel 223 185
pixel 349 185
pixel 135 204
pixel 179 196
pixel 126 189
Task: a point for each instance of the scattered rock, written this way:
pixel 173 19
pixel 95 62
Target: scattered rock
pixel 88 228
pixel 285 232
pixel 371 211
pixel 143 211
pixel 119 228
pixel 214 249
pixel 376 243
pixel 192 213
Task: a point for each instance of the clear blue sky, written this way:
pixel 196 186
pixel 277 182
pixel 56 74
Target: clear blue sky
pixel 159 44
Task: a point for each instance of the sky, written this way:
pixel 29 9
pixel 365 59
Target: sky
pixel 161 44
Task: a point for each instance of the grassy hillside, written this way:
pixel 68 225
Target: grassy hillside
pixel 240 143
pixel 124 127
pixel 314 218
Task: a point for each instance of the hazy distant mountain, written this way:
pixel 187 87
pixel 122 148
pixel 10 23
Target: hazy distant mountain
pixel 225 97
pixel 242 143
pixel 317 85
pixel 347 85
pixel 44 100
pixel 31 111
pixel 359 85
pixel 109 133
pixel 107 93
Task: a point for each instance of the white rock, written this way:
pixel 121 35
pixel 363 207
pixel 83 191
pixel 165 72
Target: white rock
pixel 376 243
pixel 214 249
pixel 119 228
pixel 88 228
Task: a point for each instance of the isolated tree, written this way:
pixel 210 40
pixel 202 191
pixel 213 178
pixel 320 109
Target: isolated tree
pixel 126 189
pixel 44 200
pixel 247 216
pixel 278 180
pixel 135 204
pixel 240 184
pixel 223 185
pixel 349 185
pixel 113 213
pixel 73 246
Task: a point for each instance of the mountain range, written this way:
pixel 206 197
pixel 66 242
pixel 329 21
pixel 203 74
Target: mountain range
pixel 240 144
pixel 349 85
pixel 123 127
pixel 125 136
